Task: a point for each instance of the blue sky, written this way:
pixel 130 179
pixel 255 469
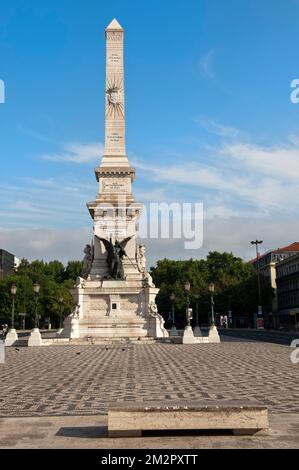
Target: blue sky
pixel 209 117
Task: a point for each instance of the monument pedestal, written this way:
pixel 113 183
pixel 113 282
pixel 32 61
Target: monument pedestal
pixel 213 335
pixel 11 337
pixel 188 336
pixel 70 328
pixel 35 338
pixel 115 309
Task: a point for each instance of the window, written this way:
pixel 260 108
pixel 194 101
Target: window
pixel 114 306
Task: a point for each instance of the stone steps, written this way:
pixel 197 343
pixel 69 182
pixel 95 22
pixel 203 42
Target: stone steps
pixel 113 341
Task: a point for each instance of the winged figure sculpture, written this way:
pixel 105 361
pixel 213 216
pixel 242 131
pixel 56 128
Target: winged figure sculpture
pixel 115 254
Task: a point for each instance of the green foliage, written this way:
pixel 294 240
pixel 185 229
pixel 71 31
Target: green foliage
pixel 73 270
pixel 55 281
pixel 235 286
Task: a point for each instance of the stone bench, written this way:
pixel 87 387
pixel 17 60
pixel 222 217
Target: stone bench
pixel 129 419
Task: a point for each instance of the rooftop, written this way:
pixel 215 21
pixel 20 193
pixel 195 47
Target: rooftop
pixel 293 247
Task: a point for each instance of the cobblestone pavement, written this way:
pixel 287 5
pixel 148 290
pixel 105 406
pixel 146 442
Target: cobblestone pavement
pixel 74 380
pixel 266 336
pixel 90 432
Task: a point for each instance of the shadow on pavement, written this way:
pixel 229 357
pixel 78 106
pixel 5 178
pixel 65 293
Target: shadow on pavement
pixel 86 432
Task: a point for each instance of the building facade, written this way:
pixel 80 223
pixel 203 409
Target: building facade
pixel 287 281
pixel 7 263
pixel 266 265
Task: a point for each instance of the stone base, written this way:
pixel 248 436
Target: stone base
pixel 35 338
pixel 11 337
pixel 213 335
pixel 197 332
pixel 242 417
pixel 188 336
pixel 110 309
pixel 173 332
pixel 70 328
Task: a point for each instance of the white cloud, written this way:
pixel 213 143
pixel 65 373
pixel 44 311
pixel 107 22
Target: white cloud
pixel 218 129
pixel 46 244
pixel 244 175
pixel 77 153
pixel 37 203
pixel 281 162
pixel 246 189
pixel 231 234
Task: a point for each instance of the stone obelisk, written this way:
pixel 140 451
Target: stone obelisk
pixel 107 306
pixel 115 133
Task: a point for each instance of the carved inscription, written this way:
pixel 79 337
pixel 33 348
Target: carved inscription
pixel 115 137
pixel 114 58
pixel 113 186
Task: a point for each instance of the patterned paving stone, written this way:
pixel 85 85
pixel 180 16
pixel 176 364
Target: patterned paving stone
pixel 56 380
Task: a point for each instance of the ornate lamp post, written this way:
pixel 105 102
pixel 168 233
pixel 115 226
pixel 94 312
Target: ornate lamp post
pixel 60 300
pixel 13 291
pixel 259 308
pixel 35 338
pixel 211 290
pixel 173 331
pixel 12 336
pixel 213 333
pixel 197 330
pixel 36 288
pixel 188 336
pixel 187 289
pixel 172 299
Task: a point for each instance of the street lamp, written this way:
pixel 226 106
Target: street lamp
pixel 211 290
pixel 172 299
pixel 36 288
pixel 13 291
pixel 256 243
pixel 11 335
pixel 187 289
pixel 173 331
pixel 60 300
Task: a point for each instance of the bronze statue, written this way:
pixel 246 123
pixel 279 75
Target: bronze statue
pixel 116 252
pixel 88 260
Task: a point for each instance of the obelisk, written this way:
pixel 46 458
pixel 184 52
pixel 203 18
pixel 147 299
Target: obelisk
pixel 115 133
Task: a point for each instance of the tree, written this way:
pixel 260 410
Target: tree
pixel 235 286
pixel 73 270
pixel 55 281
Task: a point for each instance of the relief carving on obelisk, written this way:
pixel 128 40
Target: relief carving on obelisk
pixel 115 103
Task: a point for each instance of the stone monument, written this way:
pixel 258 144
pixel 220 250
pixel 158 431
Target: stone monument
pixel 115 295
